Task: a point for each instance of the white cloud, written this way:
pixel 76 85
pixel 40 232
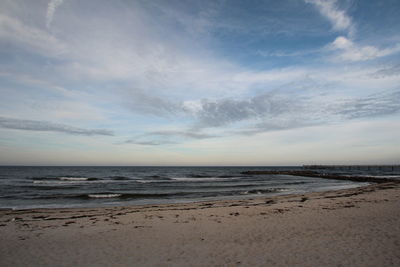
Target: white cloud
pixel 192 106
pixel 342 43
pixel 339 19
pixel 171 81
pixel 51 9
pixel 350 51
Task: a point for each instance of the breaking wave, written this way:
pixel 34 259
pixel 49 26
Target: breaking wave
pixel 77 179
pixel 104 195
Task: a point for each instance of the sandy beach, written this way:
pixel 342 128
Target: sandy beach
pixel 352 227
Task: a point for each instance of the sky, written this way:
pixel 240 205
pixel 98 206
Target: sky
pixel 222 82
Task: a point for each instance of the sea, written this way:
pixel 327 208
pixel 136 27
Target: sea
pixel 23 187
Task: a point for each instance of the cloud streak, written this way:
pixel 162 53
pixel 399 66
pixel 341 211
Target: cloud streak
pixel 217 113
pixel 149 143
pixel 51 9
pixel 350 51
pixel 140 101
pixel 278 111
pixel 185 134
pixel 380 104
pixel 387 72
pixel 346 49
pixel 167 137
pixel 339 19
pixel 274 111
pixel 32 38
pixel 45 126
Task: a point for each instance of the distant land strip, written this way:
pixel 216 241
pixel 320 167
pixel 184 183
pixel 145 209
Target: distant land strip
pixel 365 179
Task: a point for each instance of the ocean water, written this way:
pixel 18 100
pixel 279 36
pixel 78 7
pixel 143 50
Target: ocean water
pixel 50 187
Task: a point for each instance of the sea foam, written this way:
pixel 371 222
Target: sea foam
pixel 76 179
pixel 104 195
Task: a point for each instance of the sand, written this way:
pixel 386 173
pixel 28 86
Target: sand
pixel 354 227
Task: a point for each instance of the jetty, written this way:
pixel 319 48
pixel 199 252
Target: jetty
pixel 334 176
pixel 354 167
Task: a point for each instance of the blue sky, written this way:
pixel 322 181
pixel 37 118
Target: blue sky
pixel 199 82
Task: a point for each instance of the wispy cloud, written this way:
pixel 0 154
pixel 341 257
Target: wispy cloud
pixel 45 126
pixel 278 111
pixel 350 51
pixel 379 104
pixel 387 72
pixel 276 125
pixel 217 113
pixel 345 48
pixel 149 143
pixel 51 9
pixel 274 111
pixel 146 103
pixel 281 53
pixel 185 134
pixel 339 19
pixel 166 137
pixel 27 36
pixel 194 72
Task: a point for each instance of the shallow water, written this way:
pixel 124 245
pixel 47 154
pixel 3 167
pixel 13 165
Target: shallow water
pixel 47 187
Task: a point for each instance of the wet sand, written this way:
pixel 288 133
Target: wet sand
pixel 352 227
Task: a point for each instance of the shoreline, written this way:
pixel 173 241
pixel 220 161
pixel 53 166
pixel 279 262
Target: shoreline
pixel 237 198
pixel 213 233
pixel 302 173
pixel 233 198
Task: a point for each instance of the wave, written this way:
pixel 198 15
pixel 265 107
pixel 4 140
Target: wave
pixel 48 182
pixel 295 183
pixel 185 179
pixel 104 195
pixel 152 181
pixel 264 191
pixel 202 179
pixel 40 178
pixel 198 176
pixel 382 176
pixel 120 178
pixel 93 196
pixel 77 179
pixel 68 181
pixel 157 177
pixel 50 186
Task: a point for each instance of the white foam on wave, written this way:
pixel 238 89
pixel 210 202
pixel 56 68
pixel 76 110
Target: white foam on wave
pixel 53 182
pixel 73 179
pixel 104 195
pixel 265 191
pixel 43 182
pixel 384 176
pixel 66 182
pixel 202 179
pixel 150 181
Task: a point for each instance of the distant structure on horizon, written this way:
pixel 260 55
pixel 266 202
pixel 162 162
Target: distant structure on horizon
pixel 354 167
